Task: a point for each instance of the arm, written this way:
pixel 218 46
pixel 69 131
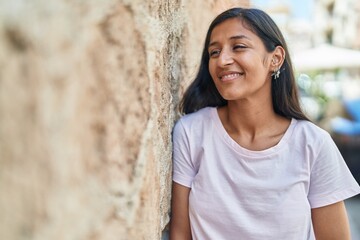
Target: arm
pixel 331 222
pixel 180 222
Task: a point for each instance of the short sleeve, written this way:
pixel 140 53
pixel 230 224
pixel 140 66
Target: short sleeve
pixel 183 168
pixel 330 180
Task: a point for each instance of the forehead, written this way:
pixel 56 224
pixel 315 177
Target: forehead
pixel 232 27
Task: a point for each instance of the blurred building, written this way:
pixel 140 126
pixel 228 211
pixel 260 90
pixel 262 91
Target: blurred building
pixel 295 23
pixel 337 22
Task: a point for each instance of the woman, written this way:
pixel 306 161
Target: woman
pixel 248 164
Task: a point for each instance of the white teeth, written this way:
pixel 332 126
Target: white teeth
pixel 230 76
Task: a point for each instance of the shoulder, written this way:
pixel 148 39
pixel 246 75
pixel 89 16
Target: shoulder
pixel 310 138
pixel 195 125
pixel 311 132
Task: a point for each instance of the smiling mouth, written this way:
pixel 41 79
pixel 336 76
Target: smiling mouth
pixel 231 76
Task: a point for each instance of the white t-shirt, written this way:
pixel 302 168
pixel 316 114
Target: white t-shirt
pixel 241 194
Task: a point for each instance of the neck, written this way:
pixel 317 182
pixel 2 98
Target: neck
pixel 251 117
pixel 253 124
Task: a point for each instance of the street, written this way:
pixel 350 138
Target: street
pixel 353 209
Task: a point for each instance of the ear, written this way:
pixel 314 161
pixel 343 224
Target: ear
pixel 278 58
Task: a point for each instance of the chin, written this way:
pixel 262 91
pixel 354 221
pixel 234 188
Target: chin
pixel 232 96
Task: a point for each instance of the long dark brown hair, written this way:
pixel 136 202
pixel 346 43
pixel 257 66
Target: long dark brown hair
pixel 202 91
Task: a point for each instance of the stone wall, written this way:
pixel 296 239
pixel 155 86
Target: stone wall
pixel 88 96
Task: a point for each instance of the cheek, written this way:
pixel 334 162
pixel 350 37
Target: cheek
pixel 212 69
pixel 250 61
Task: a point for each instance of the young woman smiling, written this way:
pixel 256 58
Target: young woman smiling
pixel 248 164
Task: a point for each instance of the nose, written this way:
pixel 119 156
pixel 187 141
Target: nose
pixel 225 58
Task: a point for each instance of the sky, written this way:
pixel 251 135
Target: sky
pixel 299 8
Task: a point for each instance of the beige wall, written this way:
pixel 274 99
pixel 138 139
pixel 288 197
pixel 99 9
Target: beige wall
pixel 88 91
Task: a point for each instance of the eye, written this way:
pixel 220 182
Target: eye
pixel 214 53
pixel 239 47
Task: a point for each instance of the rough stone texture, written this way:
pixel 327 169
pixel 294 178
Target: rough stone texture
pixel 88 95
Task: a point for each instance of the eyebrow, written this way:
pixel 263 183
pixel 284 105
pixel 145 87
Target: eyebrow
pixel 231 38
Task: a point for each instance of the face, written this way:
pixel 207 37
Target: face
pixel 239 64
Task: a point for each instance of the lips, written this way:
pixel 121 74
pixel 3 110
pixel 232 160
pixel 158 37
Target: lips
pixel 229 76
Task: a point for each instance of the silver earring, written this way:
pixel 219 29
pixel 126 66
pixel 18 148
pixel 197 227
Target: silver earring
pixel 276 74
